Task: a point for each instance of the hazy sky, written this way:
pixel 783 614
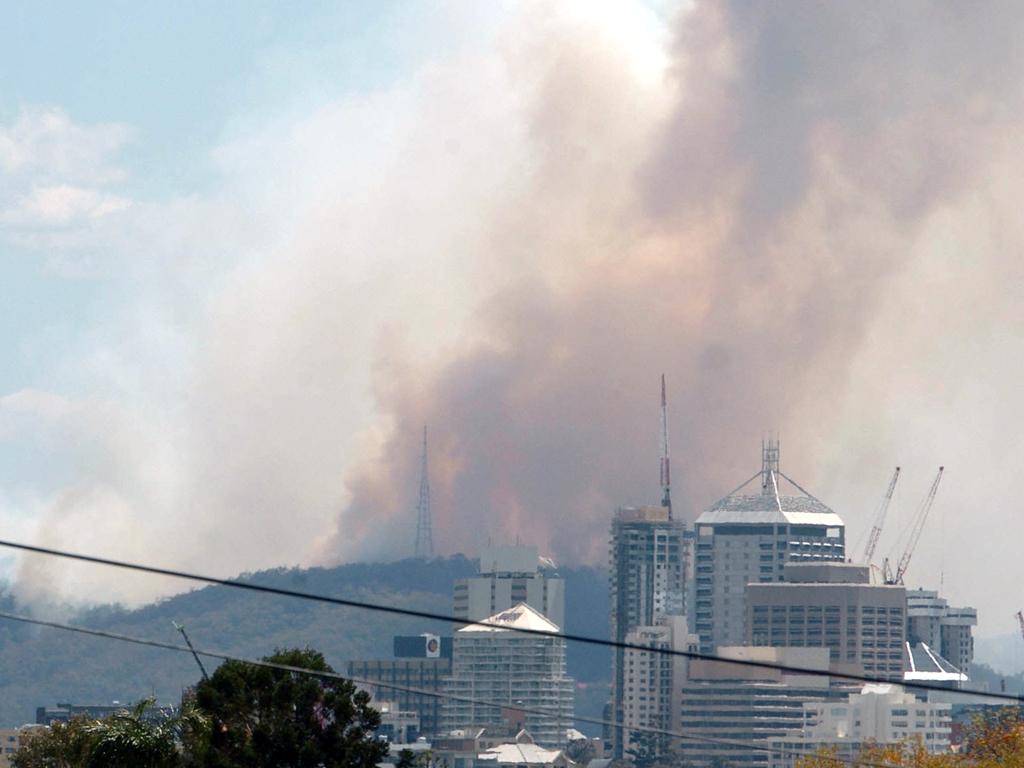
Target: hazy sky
pixel 248 252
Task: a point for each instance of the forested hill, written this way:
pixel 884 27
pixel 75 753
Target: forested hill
pixel 41 666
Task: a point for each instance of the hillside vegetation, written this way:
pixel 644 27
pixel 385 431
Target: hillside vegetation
pixel 42 666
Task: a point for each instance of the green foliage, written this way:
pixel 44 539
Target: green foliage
pixel 124 739
pixel 271 718
pixel 409 759
pixel 648 749
pixel 127 740
pixel 62 745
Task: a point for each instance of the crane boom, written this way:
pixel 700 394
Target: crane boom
pixel 876 529
pixel 195 655
pixel 915 532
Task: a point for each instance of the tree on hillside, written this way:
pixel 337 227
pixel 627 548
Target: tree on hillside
pixel 270 718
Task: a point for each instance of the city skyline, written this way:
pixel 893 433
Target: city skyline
pixel 239 278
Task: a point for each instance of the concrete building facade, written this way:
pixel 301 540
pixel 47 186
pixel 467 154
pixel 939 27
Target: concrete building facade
pixel 426 674
pixel 832 605
pixel 647 585
pixel 494 663
pixel 509 575
pixel 879 714
pixel 945 629
pixel 739 709
pixel 748 538
pixel 649 677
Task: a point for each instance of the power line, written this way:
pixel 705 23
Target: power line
pixel 105 635
pixel 431 616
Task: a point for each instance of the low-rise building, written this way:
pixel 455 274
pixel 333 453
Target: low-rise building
pixel 11 740
pixel 879 714
pixel 730 712
pixel 425 674
pixel 64 711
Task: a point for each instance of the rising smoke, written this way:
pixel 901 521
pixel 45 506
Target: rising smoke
pixel 740 240
pixel 769 203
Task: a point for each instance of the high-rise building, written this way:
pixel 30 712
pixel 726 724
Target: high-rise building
pixel 879 714
pixel 510 575
pixel 832 605
pixel 732 711
pixel 649 677
pixel 748 537
pixel 494 663
pixel 647 584
pixel 945 629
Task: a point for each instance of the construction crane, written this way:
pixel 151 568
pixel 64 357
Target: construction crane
pixel 915 533
pixel 188 642
pixel 1020 621
pixel 876 529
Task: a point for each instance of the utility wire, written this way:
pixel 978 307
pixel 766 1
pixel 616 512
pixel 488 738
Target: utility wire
pixel 431 616
pixel 543 711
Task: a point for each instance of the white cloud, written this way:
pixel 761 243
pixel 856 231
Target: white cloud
pixel 61 205
pixel 45 143
pixel 57 174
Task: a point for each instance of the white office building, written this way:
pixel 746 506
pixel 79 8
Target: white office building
pixel 509 575
pixel 504 671
pixel 931 620
pixel 879 714
pixel 732 711
pixel 748 537
pixel 649 677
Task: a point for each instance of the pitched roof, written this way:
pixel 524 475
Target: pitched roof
pixel 924 663
pixel 770 506
pixel 520 754
pixel 522 616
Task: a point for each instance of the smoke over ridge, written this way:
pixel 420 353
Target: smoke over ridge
pixel 803 214
pixel 737 230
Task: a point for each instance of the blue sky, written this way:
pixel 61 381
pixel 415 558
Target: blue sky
pixel 182 78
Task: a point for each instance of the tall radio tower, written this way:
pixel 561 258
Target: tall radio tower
pixel 424 535
pixel 666 479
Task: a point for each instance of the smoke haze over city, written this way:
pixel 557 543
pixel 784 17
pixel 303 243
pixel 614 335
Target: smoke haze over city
pixel 224 346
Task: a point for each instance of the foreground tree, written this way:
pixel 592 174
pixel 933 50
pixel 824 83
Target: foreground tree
pixel 270 718
pixel 62 745
pixel 127 738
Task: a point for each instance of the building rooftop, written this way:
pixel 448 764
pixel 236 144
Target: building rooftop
pixel 642 515
pixel 777 498
pixel 521 616
pixel 923 663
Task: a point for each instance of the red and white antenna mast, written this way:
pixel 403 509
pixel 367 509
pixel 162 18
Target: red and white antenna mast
pixel 666 475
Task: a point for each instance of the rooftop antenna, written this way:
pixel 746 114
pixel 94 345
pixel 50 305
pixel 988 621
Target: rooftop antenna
pixel 666 476
pixel 424 536
pixel 770 467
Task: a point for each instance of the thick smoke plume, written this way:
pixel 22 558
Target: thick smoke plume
pixel 805 215
pixel 742 240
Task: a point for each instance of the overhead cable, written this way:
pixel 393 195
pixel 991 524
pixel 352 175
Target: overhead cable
pixel 541 711
pixel 432 616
